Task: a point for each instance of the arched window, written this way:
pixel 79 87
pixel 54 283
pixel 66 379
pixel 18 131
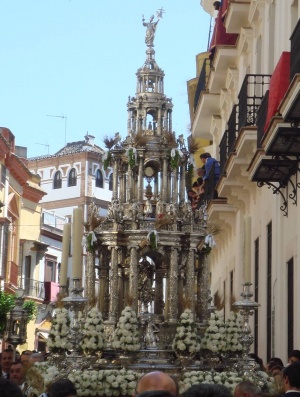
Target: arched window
pixel 57 180
pixel 99 179
pixel 72 179
pixel 111 177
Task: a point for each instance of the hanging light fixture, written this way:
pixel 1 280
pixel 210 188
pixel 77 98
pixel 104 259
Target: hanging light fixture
pixel 16 325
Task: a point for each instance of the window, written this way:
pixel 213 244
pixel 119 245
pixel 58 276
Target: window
pixel 57 180
pixel 50 271
pixel 110 186
pixel 99 179
pixel 72 179
pixel 3 174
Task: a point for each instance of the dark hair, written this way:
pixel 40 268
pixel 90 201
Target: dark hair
pixel 8 350
pixel 292 372
pixel 207 390
pixel 246 386
pixel 62 388
pixel 277 360
pixel 205 155
pixel 257 359
pixel 195 184
pixel 9 388
pixel 155 393
pixel 295 353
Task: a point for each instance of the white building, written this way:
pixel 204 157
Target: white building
pixel 247 103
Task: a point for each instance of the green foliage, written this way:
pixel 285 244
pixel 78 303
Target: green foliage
pixel 7 302
pixel 175 160
pixel 90 247
pixel 153 243
pixel 189 176
pixel 31 308
pixel 131 158
pixel 107 161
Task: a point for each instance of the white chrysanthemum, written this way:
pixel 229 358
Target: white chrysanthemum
pixel 93 332
pixel 126 335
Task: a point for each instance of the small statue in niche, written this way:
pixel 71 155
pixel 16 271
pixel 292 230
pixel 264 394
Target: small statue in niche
pixel 151 335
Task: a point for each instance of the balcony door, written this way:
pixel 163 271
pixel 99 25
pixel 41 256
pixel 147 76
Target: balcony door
pixel 50 270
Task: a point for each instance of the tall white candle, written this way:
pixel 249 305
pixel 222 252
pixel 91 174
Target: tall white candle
pixel 247 249
pixel 65 254
pixel 77 242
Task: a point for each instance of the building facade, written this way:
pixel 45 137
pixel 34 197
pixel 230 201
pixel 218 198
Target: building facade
pixel 246 105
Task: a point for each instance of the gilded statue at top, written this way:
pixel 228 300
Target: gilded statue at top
pixel 151 27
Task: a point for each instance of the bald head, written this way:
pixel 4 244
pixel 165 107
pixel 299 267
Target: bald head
pixel 157 381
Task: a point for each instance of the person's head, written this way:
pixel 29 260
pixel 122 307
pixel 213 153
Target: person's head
pixel 294 356
pixel 157 380
pixel 200 171
pixel 276 370
pixel 277 360
pixel 6 359
pixel 9 389
pixel 291 376
pixel 204 157
pixel 36 358
pixel 62 388
pixel 246 388
pixel 17 373
pixel 258 360
pixel 25 359
pixel 155 393
pixel 207 390
pixel 192 193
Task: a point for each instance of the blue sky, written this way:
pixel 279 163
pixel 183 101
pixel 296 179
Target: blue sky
pixel 78 59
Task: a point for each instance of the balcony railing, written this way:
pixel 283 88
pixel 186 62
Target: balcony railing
pixel 295 53
pixel 223 152
pixel 34 288
pixel 251 94
pixel 261 118
pixel 201 86
pixel 232 129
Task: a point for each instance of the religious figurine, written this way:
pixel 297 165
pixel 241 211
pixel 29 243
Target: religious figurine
pixel 148 208
pixel 151 336
pixel 150 31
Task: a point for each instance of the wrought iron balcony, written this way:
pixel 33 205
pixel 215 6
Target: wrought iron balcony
pixel 250 97
pixel 201 86
pixel 295 53
pixel 223 152
pixel 261 118
pixel 232 129
pixel 34 288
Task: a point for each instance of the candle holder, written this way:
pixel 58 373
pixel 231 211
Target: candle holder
pixel 247 366
pixel 75 303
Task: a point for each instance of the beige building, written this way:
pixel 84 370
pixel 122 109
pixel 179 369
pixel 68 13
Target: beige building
pixel 21 248
pixel 247 104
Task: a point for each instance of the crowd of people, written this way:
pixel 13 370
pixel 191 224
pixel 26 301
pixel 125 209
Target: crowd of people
pixel 154 384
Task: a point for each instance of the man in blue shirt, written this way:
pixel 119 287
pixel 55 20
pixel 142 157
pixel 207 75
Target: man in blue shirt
pixel 209 162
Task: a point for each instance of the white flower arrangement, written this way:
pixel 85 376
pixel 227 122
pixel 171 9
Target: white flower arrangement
pixel 214 338
pixel 93 332
pixel 126 336
pixel 233 332
pixel 58 337
pixel 40 376
pixel 227 378
pixel 87 382
pixel 186 341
